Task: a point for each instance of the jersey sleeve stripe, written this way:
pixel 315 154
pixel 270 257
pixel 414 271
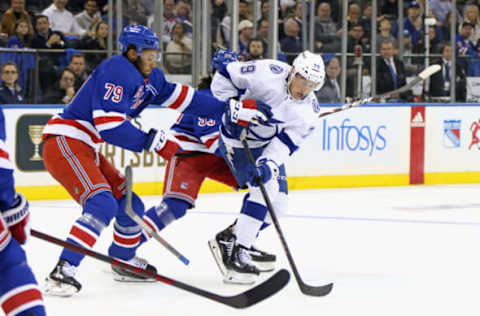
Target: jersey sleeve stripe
pixel 180 98
pixel 104 123
pixel 285 139
pixel 89 130
pixel 101 113
pixel 211 141
pixel 21 298
pixel 5 238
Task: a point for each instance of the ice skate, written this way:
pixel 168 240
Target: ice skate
pixel 233 260
pixel 123 275
pixel 264 261
pixel 61 281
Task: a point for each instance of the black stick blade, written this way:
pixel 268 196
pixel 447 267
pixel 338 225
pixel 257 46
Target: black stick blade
pixel 262 291
pixel 316 290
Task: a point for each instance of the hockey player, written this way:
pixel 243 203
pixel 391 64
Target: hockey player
pixel 19 291
pixel 186 171
pixel 288 90
pixel 119 89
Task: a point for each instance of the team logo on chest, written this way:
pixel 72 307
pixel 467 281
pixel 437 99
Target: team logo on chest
pixel 138 97
pixel 276 69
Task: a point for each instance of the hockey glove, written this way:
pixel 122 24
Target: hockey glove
pixel 248 110
pixel 159 142
pixel 265 170
pixel 17 218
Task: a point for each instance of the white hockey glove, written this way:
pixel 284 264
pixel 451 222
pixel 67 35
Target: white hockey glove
pixel 248 111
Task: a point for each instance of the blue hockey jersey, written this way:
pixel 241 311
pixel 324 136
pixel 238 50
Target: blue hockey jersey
pixel 198 133
pixel 116 92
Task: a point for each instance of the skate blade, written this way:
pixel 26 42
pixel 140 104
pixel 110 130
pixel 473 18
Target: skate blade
pixel 233 277
pixel 56 288
pixel 125 278
pixel 217 255
pixel 264 266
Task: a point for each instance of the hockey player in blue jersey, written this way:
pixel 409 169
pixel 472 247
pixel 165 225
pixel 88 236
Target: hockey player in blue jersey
pixel 117 90
pixel 289 91
pixel 19 291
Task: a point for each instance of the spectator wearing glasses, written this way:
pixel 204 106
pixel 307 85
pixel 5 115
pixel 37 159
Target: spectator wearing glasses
pixel 10 90
pixel 63 91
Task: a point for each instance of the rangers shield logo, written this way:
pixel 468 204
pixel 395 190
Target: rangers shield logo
pixel 451 133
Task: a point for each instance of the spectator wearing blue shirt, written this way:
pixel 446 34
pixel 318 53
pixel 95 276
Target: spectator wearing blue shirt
pixel 409 22
pixel 10 90
pixel 22 38
pixel 291 44
pixel 466 48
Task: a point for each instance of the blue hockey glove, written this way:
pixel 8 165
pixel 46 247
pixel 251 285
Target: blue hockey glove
pixel 265 170
pixel 248 111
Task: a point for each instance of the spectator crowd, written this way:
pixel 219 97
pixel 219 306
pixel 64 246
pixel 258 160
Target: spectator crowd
pixel 67 31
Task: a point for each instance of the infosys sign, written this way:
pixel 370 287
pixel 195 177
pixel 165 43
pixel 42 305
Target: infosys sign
pixel 350 136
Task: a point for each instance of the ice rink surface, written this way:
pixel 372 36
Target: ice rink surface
pixel 412 250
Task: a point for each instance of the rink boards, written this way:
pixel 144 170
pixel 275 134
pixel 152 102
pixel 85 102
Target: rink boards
pixel 376 145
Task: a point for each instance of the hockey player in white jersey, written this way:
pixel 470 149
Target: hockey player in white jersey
pixel 289 92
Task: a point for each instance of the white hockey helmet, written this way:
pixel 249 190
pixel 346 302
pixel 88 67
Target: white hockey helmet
pixel 311 67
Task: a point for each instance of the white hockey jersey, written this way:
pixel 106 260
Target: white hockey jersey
pixel 266 81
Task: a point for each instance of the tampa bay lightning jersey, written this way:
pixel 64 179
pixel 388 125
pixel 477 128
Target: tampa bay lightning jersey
pixel 198 133
pixel 266 80
pixel 116 92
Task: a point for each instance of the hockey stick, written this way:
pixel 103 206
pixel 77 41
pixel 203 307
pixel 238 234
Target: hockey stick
pixel 139 221
pixel 242 300
pixel 430 70
pixel 304 288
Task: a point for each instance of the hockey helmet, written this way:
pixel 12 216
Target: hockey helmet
pixel 138 35
pixel 311 67
pixel 222 58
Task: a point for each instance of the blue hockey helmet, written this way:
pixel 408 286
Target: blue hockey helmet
pixel 222 58
pixel 138 35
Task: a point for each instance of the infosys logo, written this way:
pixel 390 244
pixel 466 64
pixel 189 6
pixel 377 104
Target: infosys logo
pixel 353 137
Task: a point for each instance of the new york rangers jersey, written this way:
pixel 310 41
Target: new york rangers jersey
pixel 198 133
pixel 7 191
pixel 116 92
pixel 266 81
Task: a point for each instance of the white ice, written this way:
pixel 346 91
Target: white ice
pixel 410 250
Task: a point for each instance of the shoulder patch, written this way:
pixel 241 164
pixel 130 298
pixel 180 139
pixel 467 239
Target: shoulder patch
pixel 316 105
pixel 276 69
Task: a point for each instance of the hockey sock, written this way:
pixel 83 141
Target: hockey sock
pixel 126 232
pixel 249 222
pixel 162 215
pixel 84 232
pixel 19 292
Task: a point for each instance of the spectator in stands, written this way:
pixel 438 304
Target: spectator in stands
pixel 9 19
pixel 324 23
pixel 366 19
pixel 89 17
pixel 413 14
pixel 434 42
pixel 385 34
pixel 440 9
pixel 355 38
pixel 440 81
pixel 255 49
pixel 265 10
pixel 169 20
pixel 226 22
pixel 22 38
pixel 262 33
pixel 10 90
pixel 326 38
pixel 79 66
pixel 291 43
pixel 471 15
pixel 63 91
pixel 245 30
pixel 45 38
pixel 183 13
pixel 391 73
pixel 354 15
pixel 330 91
pixel 62 20
pixel 466 50
pixel 412 64
pixel 178 59
pixel 98 42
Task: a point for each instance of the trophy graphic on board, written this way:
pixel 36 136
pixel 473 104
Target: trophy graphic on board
pixel 35 133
